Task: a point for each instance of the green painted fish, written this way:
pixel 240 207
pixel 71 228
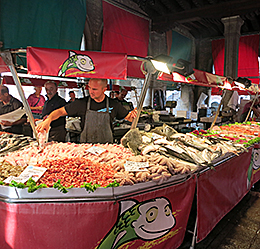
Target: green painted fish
pixel 80 61
pixel 147 220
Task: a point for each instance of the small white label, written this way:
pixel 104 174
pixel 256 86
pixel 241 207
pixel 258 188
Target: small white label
pixel 96 150
pixel 34 172
pixel 136 166
pixel 30 172
pixel 16 179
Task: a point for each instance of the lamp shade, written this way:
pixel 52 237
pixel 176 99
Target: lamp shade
pixel 163 63
pixel 183 67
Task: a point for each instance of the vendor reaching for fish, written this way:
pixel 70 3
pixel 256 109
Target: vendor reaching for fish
pixel 96 111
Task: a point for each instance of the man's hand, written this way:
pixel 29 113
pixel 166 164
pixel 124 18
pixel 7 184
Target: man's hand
pixel 44 125
pixel 131 115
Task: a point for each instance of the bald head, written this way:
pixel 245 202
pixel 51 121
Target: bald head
pixel 101 82
pixel 97 88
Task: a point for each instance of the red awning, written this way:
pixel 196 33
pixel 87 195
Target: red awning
pixel 125 32
pixel 199 78
pixel 43 66
pixel 73 63
pixel 202 78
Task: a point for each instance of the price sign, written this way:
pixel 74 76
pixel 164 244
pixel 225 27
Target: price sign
pixel 96 150
pixel 30 172
pixel 136 166
pixel 16 179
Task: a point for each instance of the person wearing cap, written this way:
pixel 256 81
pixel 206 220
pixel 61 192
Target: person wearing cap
pixel 97 112
pixel 54 101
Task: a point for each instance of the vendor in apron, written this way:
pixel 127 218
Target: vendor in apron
pixel 97 112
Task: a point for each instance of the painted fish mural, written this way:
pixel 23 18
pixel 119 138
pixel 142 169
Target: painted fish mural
pixel 81 62
pixel 146 220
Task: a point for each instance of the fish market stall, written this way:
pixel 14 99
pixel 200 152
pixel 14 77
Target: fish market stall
pixel 148 199
pixel 146 213
pixel 219 190
pixel 136 194
pixel 59 186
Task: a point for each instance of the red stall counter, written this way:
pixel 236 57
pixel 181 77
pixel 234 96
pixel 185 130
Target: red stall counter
pixel 154 218
pixel 219 190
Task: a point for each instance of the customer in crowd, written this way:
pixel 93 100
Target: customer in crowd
pixel 8 104
pixel 116 94
pixel 247 107
pixel 112 94
pixel 36 102
pixel 121 99
pixel 97 112
pixel 72 96
pixel 54 101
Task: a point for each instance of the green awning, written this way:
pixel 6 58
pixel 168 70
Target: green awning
pixel 49 23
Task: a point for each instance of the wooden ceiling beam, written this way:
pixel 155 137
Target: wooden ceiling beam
pixel 224 9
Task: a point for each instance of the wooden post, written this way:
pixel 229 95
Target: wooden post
pixel 256 96
pixel 218 110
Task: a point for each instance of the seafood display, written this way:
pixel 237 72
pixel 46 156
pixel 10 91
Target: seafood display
pixel 188 147
pixel 70 163
pixel 75 172
pixel 7 169
pixel 142 156
pixel 159 169
pixel 11 142
pixel 244 133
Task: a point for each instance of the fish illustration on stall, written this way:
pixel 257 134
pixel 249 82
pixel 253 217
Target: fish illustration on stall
pixel 256 158
pixel 79 61
pixel 254 165
pixel 148 220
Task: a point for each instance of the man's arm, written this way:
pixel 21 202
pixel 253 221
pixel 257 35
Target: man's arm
pixel 45 125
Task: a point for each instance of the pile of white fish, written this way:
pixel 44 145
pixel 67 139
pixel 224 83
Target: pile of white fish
pixel 188 147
